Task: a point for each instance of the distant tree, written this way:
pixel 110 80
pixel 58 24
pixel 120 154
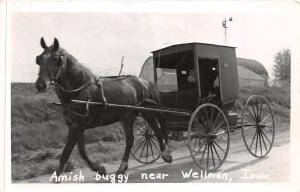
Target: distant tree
pixel 282 65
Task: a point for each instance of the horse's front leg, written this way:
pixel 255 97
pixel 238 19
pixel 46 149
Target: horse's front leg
pixel 95 166
pixel 128 129
pixel 71 141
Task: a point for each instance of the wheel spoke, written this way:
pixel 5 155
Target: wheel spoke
pixel 254 113
pixel 249 118
pixel 219 125
pixel 143 148
pixel 147 149
pixel 203 153
pixel 206 117
pixel 207 158
pixel 154 137
pixel 151 149
pixel 155 145
pixel 211 116
pixel 220 133
pixel 262 131
pixel 142 141
pixel 216 152
pixel 260 145
pixel 253 140
pixel 256 143
pixel 253 118
pixel 260 111
pixel 265 118
pixel 201 125
pixel 195 143
pixel 212 155
pixel 219 147
pixel 262 137
pixel 256 104
pixel 216 119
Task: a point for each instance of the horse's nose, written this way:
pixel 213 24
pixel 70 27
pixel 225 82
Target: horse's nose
pixel 37 60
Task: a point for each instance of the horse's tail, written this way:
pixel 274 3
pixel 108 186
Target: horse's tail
pixel 154 93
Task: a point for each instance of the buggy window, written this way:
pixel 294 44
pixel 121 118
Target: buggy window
pixel 166 80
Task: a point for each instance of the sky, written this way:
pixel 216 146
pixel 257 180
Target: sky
pixel 99 40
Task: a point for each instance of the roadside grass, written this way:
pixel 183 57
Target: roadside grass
pixel 38 131
pixel 279 99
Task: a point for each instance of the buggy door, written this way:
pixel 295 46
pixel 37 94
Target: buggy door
pixel 209 77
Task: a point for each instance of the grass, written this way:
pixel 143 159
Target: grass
pixel 38 131
pixel 277 96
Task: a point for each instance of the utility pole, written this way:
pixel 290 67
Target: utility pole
pixel 120 72
pixel 225 26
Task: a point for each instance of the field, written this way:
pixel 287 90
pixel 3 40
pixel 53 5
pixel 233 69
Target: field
pixel 38 131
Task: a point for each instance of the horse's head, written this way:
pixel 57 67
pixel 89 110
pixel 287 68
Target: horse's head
pixel 52 61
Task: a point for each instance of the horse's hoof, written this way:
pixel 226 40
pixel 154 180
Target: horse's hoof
pixel 56 182
pixel 167 158
pixel 99 168
pixel 120 172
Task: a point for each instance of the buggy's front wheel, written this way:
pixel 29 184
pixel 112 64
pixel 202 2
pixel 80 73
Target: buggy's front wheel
pixel 145 148
pixel 208 137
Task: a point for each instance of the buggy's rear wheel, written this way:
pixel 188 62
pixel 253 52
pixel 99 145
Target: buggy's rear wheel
pixel 145 148
pixel 258 126
pixel 208 137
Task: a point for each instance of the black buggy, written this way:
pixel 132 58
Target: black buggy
pixel 199 85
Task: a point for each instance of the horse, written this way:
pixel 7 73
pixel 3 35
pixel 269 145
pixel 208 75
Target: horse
pixel 73 81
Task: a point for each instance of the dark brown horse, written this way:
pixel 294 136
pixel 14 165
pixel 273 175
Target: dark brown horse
pixel 74 81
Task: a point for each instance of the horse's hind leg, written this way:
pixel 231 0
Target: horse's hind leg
pixel 151 119
pixel 128 129
pixel 163 126
pixel 94 166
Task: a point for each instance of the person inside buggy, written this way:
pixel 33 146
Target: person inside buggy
pixel 211 92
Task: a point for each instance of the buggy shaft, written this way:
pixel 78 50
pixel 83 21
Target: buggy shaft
pixel 182 113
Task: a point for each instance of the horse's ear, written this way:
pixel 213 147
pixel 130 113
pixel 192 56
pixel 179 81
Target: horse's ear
pixel 43 44
pixel 56 44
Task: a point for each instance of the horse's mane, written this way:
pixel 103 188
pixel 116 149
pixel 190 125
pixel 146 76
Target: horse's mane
pixel 75 63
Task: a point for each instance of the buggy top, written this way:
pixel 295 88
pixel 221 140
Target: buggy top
pixel 208 64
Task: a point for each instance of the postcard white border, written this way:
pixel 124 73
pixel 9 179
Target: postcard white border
pixel 291 7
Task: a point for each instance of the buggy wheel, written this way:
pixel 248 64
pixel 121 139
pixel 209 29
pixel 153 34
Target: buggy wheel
pixel 258 127
pixel 208 137
pixel 145 148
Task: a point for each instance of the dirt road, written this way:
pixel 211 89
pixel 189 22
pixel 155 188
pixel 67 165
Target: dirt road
pixel 240 166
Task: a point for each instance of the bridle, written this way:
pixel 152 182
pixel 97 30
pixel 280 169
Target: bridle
pixel 54 80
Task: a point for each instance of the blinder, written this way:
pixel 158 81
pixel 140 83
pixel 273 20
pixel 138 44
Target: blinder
pixel 62 66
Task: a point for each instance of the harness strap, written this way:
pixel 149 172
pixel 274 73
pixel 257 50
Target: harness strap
pixel 143 93
pixel 100 86
pixel 73 90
